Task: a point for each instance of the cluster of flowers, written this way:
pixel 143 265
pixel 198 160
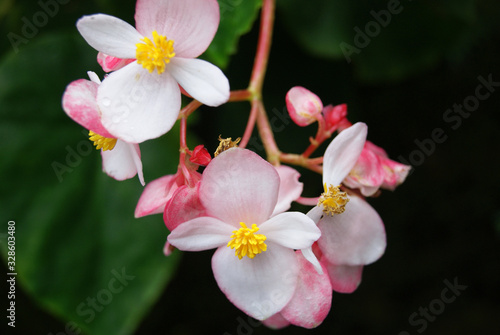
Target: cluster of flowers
pixel 277 266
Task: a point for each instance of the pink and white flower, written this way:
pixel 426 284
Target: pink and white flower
pixel 120 159
pixel 375 170
pixel 258 272
pixel 142 100
pixel 352 232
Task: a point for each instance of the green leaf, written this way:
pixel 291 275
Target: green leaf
pixel 384 40
pixel 237 18
pixel 76 236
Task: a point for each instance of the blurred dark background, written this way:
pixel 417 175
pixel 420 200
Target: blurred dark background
pixel 443 223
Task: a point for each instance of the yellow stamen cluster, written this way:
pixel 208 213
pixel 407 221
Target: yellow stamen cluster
pixel 225 144
pixel 246 242
pixel 333 200
pixel 155 54
pixel 102 142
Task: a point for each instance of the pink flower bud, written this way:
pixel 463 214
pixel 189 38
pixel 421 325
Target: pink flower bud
pixel 334 115
pixel 303 106
pixel 200 156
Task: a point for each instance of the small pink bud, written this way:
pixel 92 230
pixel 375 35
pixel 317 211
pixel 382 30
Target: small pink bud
pixel 334 115
pixel 200 156
pixel 303 106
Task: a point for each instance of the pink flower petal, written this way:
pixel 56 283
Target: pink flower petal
pixel 203 81
pixel 277 321
pixel 292 230
pixel 344 278
pixel 201 233
pixel 342 153
pixel 79 102
pixel 137 105
pixel 367 175
pixel 355 237
pixel 190 23
pixel 261 286
pixel 290 188
pixel 109 35
pixel 312 299
pixel 239 186
pixel 184 205
pixel 155 196
pixel 110 63
pixel 303 105
pixel 123 161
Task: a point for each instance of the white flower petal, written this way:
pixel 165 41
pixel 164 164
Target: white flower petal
pixel 311 257
pixel 123 161
pixel 201 233
pixel 292 230
pixel 342 153
pixel 261 286
pixel 315 213
pixel 109 35
pixel 137 105
pixel 202 80
pixel 355 237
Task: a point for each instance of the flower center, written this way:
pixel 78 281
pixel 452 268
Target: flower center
pixel 225 144
pixel 246 243
pixel 333 200
pixel 155 54
pixel 102 142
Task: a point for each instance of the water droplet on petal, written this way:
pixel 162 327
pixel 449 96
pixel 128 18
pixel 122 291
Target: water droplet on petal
pixel 106 102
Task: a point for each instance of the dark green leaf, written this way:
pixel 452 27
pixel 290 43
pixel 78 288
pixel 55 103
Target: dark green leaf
pixel 237 18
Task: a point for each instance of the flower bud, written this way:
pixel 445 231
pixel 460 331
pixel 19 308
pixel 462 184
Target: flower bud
pixel 303 106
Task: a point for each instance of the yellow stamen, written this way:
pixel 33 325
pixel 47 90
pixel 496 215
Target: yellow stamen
pixel 105 143
pixel 225 144
pixel 333 200
pixel 155 54
pixel 246 243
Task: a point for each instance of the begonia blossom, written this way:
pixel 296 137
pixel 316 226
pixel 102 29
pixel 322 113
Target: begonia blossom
pixel 375 170
pixel 352 232
pixel 142 100
pixel 120 160
pixel 255 264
